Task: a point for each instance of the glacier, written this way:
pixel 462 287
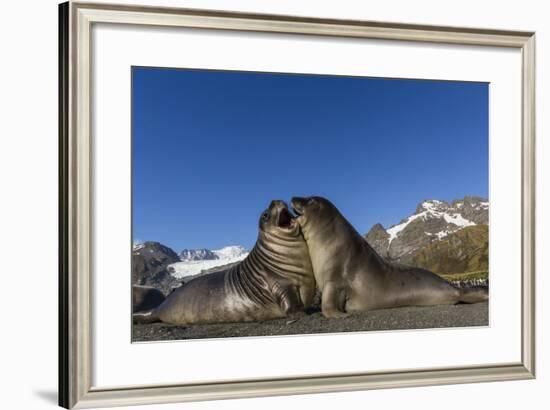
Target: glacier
pixel 225 256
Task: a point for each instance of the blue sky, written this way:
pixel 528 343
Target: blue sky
pixel 211 149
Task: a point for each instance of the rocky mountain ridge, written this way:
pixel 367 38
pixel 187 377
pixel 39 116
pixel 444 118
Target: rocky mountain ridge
pixel 150 261
pixel 432 221
pixel 187 255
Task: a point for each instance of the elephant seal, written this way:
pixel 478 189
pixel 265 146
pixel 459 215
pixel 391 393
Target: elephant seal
pixel 146 297
pixel 353 277
pixel 275 280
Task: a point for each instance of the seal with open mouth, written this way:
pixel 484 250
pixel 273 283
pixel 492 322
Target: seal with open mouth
pixel 353 277
pixel 275 280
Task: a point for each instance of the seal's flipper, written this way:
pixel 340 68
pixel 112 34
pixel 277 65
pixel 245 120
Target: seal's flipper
pixel 474 295
pixel 147 316
pixel 290 302
pixel 332 301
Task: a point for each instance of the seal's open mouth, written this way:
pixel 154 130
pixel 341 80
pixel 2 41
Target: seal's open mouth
pixel 285 219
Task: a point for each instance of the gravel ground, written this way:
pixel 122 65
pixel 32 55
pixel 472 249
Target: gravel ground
pixel 461 315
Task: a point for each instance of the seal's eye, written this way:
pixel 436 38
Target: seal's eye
pixel 311 201
pixel 265 216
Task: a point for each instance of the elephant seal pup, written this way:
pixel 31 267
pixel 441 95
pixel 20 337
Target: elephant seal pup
pixel 353 277
pixel 275 280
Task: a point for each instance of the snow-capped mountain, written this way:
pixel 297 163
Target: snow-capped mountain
pixel 188 255
pixel 432 221
pixel 195 261
pixel 149 265
pixel 231 252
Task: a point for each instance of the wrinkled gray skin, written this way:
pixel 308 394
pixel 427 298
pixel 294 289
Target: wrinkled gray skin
pixel 353 277
pixel 274 281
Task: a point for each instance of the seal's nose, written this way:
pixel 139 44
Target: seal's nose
pixel 297 203
pixel 277 203
pixel 297 200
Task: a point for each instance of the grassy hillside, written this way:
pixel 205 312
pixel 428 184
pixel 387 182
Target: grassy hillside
pixel 462 277
pixel 461 252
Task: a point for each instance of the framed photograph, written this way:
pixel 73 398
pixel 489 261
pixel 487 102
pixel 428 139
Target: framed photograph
pixel 293 201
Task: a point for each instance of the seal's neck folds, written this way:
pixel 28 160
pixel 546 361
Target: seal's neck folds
pixel 285 255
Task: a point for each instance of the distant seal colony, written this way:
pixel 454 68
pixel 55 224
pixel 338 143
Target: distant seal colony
pixel 353 277
pixel 274 281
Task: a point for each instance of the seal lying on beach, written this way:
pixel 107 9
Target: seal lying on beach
pixel 146 297
pixel 274 281
pixel 353 277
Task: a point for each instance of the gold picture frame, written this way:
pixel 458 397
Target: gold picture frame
pixel 75 353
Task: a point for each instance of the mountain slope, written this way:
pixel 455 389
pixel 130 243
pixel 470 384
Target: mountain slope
pixel 150 262
pixel 432 221
pixel 466 250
